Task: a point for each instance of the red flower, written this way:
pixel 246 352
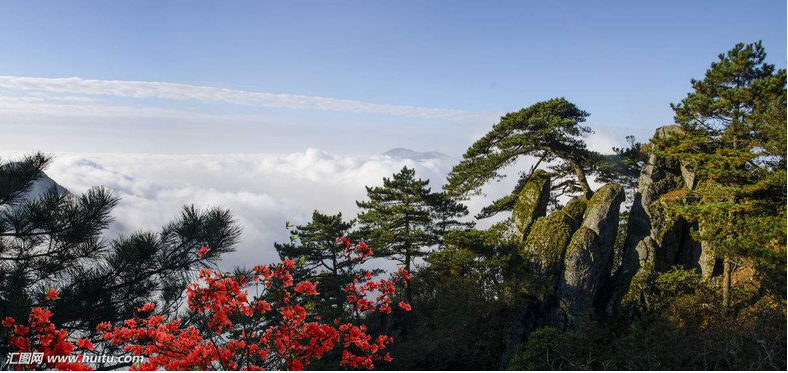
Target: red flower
pixel 42 336
pixel 40 315
pixel 346 242
pixel 306 288
pixel 404 306
pixel 203 250
pixel 84 343
pixel 52 294
pixel 238 335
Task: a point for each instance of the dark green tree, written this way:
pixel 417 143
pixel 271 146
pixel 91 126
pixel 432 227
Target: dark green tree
pixel 396 221
pixel 445 213
pixel 549 130
pixel 623 166
pixel 733 139
pixel 321 258
pixel 55 241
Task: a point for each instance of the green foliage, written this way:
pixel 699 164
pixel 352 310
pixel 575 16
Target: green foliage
pixel 403 217
pixel 396 221
pixel 445 211
pixel 686 328
pixel 321 258
pixel 56 241
pixel 730 122
pixel 462 299
pixel 18 177
pixel 623 166
pixel 548 130
pixel 542 351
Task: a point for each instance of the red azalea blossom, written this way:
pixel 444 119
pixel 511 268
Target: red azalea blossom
pixel 203 250
pixel 84 343
pixel 404 306
pixel 306 288
pixel 52 294
pixel 41 336
pixel 239 333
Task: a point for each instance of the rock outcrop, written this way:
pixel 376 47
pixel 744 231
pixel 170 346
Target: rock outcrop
pixel 589 256
pixel 531 202
pixel 572 249
pixel 657 239
pixel 549 237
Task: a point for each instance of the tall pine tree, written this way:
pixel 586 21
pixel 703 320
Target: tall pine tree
pixel 403 218
pixel 397 219
pixel 445 213
pixel 734 125
pixel 549 130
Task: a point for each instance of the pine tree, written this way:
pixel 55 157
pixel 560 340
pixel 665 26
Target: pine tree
pixel 548 130
pixel 733 139
pixel 396 221
pixel 445 211
pixel 56 241
pixel 322 259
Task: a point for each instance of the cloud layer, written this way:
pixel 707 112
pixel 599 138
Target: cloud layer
pixel 214 95
pixel 262 190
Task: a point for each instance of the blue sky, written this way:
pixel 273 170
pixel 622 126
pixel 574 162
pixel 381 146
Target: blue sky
pixel 623 62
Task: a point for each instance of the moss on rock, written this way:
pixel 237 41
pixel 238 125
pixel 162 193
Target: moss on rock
pixel 531 202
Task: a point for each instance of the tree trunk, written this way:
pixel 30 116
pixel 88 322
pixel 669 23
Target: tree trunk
pixel 581 179
pixel 338 293
pixel 726 284
pixel 408 293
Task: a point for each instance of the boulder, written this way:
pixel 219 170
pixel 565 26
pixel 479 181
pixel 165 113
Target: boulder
pixel 579 281
pixel 589 255
pixel 602 216
pixel 531 202
pixel 667 230
pixel 549 238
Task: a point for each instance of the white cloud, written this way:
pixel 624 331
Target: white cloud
pixel 207 94
pixel 262 190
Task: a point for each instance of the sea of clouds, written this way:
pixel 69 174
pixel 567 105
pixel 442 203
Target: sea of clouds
pixel 262 190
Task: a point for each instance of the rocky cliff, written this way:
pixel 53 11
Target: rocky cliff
pixel 573 248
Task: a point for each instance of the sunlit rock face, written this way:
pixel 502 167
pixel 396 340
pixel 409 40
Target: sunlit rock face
pixel 589 256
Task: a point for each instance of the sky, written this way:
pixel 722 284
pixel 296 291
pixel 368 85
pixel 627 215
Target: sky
pixel 127 94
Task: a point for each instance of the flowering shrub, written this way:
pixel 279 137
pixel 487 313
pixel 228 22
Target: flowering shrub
pixel 41 336
pixel 229 329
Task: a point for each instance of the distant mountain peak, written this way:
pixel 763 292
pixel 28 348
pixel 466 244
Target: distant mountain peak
pixel 41 186
pixel 405 153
